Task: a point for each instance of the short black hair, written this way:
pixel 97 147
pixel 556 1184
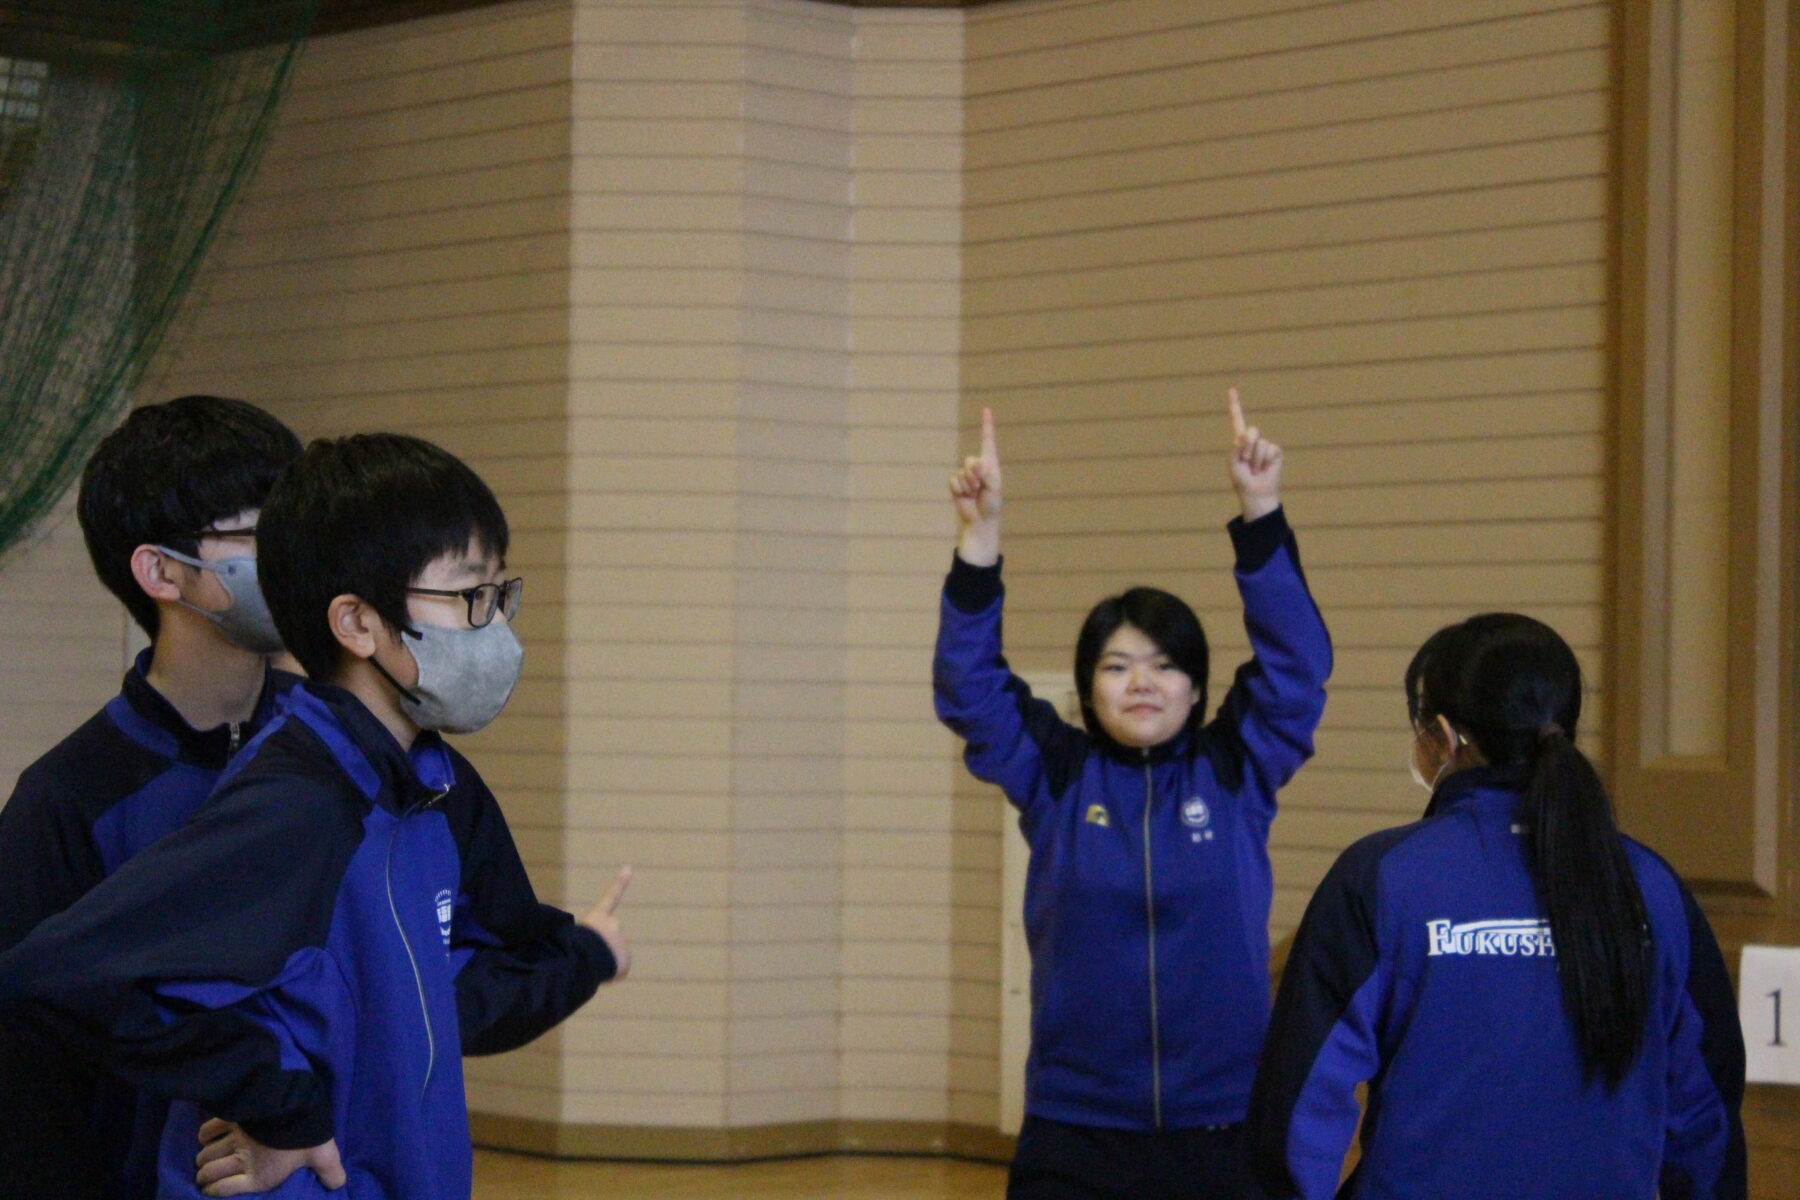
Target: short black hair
pixel 169 471
pixel 364 516
pixel 1165 619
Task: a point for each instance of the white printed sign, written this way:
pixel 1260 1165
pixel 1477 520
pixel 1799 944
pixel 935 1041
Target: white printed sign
pixel 1769 1010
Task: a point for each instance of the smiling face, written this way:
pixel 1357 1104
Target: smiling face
pixel 1140 697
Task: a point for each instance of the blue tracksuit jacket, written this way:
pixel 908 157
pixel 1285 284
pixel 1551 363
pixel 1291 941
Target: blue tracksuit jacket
pixel 130 774
pixel 1424 965
pixel 1147 899
pixel 312 955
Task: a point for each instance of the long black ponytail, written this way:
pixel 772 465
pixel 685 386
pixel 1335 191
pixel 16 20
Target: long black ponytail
pixel 1513 687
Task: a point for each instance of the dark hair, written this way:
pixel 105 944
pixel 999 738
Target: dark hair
pixel 364 516
pixel 1513 687
pixel 169 471
pixel 1164 619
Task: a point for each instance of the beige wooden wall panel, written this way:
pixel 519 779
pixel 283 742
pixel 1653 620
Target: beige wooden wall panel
pixel 399 263
pixel 900 847
pixel 655 506
pixel 790 565
pixel 1384 221
pixel 65 642
pixel 712 229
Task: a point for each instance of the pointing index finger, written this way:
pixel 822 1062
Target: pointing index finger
pixel 988 450
pixel 1238 427
pixel 610 899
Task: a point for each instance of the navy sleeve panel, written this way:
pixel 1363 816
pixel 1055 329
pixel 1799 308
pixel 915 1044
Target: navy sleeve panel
pixel 1321 1040
pixel 507 996
pixel 527 965
pixel 48 858
pixel 971 588
pixel 1704 1156
pixel 229 899
pixel 1256 542
pixel 1266 722
pixel 1011 738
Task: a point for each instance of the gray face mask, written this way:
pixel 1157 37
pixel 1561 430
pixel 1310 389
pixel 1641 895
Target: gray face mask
pixel 465 675
pixel 247 622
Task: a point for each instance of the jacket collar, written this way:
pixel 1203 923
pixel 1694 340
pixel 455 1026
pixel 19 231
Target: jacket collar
pixel 1137 756
pixel 397 779
pixel 148 718
pixel 1474 786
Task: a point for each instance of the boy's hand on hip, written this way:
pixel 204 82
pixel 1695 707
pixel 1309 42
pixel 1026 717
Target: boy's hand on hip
pixel 601 920
pixel 232 1163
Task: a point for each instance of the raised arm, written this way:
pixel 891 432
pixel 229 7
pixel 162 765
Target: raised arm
pixel 1274 705
pixel 1013 739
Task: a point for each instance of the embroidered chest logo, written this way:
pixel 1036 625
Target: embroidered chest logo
pixel 1096 815
pixel 1504 939
pixel 446 905
pixel 1196 816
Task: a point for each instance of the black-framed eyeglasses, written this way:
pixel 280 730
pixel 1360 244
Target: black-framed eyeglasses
pixel 484 599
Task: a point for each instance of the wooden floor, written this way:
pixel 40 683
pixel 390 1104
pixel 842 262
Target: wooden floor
pixel 517 1177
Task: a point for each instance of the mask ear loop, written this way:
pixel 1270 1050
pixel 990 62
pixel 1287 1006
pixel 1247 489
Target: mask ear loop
pixel 411 696
pixel 198 564
pixel 398 686
pixel 1457 741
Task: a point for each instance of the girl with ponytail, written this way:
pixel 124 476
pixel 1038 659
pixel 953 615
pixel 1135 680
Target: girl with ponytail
pixel 1535 1001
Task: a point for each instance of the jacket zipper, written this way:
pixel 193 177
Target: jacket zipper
pixel 418 980
pixel 1150 917
pixel 237 732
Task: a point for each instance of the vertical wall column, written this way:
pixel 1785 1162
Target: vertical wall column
pixel 764 284
pixel 1705 477
pixel 902 1063
pixel 790 570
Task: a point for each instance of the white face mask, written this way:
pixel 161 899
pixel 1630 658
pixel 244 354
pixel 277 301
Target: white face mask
pixel 1418 776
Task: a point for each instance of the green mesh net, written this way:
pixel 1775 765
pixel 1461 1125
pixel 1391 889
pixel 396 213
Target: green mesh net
pixel 126 128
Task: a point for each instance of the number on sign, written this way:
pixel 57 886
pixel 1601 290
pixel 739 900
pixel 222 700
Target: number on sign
pixel 1767 976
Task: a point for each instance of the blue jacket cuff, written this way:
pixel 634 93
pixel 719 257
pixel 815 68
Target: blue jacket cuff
pixel 606 966
pixel 1256 541
pixel 293 1131
pixel 972 589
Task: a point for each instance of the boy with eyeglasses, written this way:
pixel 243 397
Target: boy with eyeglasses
pixel 302 967
pixel 168 508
